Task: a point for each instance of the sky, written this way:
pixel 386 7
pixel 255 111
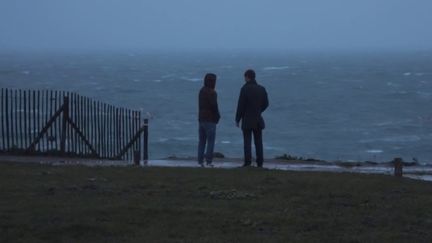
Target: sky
pixel 215 24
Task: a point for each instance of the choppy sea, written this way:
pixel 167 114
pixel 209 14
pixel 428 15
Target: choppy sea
pixel 331 106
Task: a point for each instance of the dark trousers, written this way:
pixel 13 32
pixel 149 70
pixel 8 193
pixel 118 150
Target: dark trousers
pixel 247 141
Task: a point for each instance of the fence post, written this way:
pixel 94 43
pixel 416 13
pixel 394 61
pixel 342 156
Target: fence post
pixel 136 157
pixel 64 123
pixel 145 141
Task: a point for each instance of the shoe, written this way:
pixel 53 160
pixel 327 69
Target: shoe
pixel 210 165
pixel 201 165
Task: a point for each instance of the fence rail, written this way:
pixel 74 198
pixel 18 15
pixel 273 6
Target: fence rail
pixel 47 122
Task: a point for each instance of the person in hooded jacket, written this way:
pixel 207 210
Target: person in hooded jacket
pixel 208 117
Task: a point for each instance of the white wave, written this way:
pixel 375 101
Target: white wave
pixel 407 74
pixel 168 76
pixel 393 123
pixel 157 80
pixel 402 139
pixel 225 142
pixel 374 151
pixel 26 72
pixel 136 80
pixel 425 95
pixel 273 148
pixel 400 92
pixel 191 79
pixel 395 139
pixel 177 139
pixel 189 140
pixel 386 123
pixel 275 68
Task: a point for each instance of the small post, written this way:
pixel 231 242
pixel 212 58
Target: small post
pixel 64 122
pixel 137 157
pixel 145 141
pixel 398 167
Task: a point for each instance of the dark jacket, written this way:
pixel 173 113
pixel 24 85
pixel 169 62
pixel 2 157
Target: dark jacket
pixel 208 106
pixel 252 102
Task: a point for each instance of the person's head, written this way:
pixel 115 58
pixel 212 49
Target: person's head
pixel 210 80
pixel 249 75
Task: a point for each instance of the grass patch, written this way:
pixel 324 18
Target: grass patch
pixel 42 203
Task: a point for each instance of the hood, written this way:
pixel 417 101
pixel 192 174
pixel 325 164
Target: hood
pixel 210 83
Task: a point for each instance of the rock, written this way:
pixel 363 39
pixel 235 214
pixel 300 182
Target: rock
pixel 218 155
pixel 398 165
pixel 287 157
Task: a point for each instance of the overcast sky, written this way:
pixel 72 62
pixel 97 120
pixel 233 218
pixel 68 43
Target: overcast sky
pixel 216 24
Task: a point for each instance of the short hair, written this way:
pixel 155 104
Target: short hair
pixel 250 74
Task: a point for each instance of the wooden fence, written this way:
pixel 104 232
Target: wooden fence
pixel 67 124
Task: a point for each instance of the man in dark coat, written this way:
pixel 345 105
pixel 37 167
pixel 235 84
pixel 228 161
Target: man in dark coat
pixel 208 117
pixel 252 102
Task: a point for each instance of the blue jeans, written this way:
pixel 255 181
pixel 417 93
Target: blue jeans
pixel 207 135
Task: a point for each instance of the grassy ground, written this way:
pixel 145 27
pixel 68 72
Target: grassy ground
pixel 81 204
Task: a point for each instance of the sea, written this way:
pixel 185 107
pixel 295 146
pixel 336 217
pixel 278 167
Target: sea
pixel 335 106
